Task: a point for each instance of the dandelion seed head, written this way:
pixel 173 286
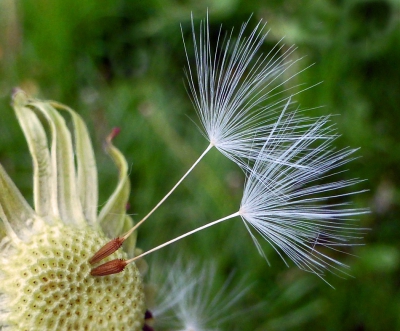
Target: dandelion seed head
pixel 45 280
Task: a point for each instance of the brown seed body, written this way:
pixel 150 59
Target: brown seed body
pixel 107 250
pixel 109 268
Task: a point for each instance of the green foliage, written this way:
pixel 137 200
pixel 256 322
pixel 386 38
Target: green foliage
pixel 120 63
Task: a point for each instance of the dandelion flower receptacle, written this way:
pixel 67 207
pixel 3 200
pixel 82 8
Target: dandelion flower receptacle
pixel 44 269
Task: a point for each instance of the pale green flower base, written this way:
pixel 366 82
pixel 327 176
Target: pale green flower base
pixel 47 285
pixel 45 281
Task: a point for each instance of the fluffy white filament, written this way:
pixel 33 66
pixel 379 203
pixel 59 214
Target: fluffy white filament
pixel 237 90
pixel 293 202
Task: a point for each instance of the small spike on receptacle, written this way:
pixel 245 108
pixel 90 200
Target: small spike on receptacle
pixel 109 268
pixel 107 250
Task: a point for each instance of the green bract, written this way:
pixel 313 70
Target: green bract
pixel 45 280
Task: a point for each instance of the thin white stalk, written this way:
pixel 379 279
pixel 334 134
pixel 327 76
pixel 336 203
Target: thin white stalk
pixel 127 234
pixel 184 235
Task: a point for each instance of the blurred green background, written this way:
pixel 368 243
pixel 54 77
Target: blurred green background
pixel 120 63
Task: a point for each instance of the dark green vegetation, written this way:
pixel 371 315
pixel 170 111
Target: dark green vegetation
pixel 120 63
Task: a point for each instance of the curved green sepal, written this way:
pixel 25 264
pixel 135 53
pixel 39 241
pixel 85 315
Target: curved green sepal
pixel 86 165
pixel 65 198
pixel 3 229
pixel 112 215
pixel 6 229
pixel 38 146
pixel 15 212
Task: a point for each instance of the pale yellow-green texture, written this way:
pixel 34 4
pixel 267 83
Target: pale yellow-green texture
pixel 45 281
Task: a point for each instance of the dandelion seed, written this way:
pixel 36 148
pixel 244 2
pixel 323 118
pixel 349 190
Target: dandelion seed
pixel 229 88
